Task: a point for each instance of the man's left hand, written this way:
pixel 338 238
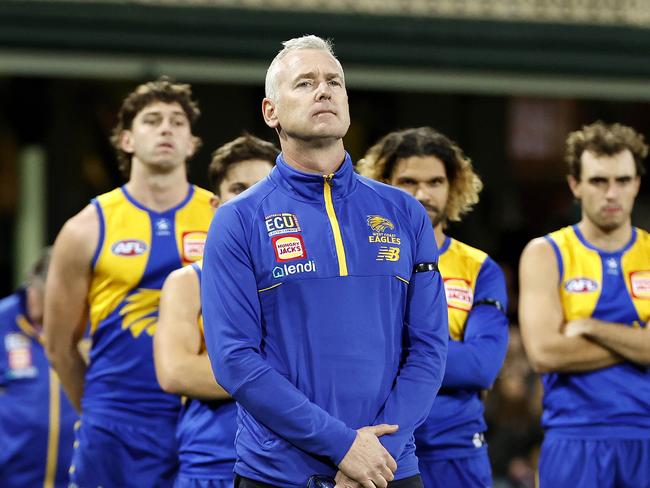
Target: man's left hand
pixel 344 481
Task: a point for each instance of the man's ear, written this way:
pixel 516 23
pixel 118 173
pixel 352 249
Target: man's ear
pixel 269 113
pixel 194 144
pixel 574 185
pixel 126 141
pixel 215 201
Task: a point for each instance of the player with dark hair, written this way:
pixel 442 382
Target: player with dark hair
pixel 450 445
pixel 584 311
pixel 208 421
pixel 108 266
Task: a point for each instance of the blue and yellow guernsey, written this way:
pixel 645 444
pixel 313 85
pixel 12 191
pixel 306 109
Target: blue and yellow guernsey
pixel 206 432
pixel 609 286
pixel 36 419
pixel 478 329
pixel 137 249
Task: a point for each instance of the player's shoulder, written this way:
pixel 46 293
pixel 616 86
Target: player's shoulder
pixel 642 236
pixel 186 276
pixel 114 197
pixel 468 252
pixel 202 194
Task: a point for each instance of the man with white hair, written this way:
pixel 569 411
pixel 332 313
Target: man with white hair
pixel 324 312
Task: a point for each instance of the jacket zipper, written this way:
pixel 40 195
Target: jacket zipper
pixel 336 230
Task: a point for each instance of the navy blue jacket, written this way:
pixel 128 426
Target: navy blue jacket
pixel 317 324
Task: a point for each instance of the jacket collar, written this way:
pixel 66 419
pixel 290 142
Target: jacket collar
pixel 309 186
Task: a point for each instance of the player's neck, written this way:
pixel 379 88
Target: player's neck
pixel 322 159
pixel 607 240
pixel 439 234
pixel 158 191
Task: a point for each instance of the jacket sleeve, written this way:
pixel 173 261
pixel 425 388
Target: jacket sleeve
pixel 424 346
pixel 233 334
pixel 474 362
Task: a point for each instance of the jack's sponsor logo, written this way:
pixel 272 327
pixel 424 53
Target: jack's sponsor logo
pixel 581 285
pixel 289 247
pixel 388 254
pixel 291 269
pixel 640 284
pixel 193 245
pixel 459 294
pixel 129 247
pixel 281 223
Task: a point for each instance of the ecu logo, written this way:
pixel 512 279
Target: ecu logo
pixel 379 224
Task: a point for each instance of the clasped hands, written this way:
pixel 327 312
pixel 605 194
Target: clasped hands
pixel 367 463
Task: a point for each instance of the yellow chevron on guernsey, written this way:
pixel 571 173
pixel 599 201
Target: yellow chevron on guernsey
pixel 141 312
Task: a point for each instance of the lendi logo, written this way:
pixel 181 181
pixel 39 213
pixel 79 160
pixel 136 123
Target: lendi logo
pixel 290 269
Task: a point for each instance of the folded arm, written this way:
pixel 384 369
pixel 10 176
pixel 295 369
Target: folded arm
pixel 182 367
pixel 542 319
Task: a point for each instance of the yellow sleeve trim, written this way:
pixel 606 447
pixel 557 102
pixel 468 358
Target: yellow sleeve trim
pixel 269 288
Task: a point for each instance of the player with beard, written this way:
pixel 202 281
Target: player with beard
pixel 584 311
pixel 450 445
pixel 108 266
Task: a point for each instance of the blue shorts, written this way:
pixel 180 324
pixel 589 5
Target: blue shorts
pixel 468 472
pixel 111 454
pixel 589 463
pixel 184 481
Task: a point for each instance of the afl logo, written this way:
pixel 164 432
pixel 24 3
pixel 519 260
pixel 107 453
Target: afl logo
pixel 129 247
pixel 581 285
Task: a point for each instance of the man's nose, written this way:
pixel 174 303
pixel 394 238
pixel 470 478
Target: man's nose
pixel 613 190
pixel 421 193
pixel 166 125
pixel 324 91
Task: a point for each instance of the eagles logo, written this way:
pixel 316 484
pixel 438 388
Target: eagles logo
pixel 379 224
pixel 140 312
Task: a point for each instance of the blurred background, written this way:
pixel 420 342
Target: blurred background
pixel 506 79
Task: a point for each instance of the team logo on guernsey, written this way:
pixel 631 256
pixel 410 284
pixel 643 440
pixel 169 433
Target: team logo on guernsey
pixel 380 227
pixel 19 356
pixel 459 294
pixel 388 254
pixel 193 245
pixel 140 311
pixel 129 247
pixel 289 247
pixel 640 284
pixel 281 223
pixel 581 285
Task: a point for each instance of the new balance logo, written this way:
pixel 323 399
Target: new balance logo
pixel 388 254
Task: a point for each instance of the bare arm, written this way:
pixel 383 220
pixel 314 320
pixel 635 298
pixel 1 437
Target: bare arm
pixel 542 319
pixel 630 342
pixel 181 367
pixel 66 309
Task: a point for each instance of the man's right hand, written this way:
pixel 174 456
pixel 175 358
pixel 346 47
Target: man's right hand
pixel 367 461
